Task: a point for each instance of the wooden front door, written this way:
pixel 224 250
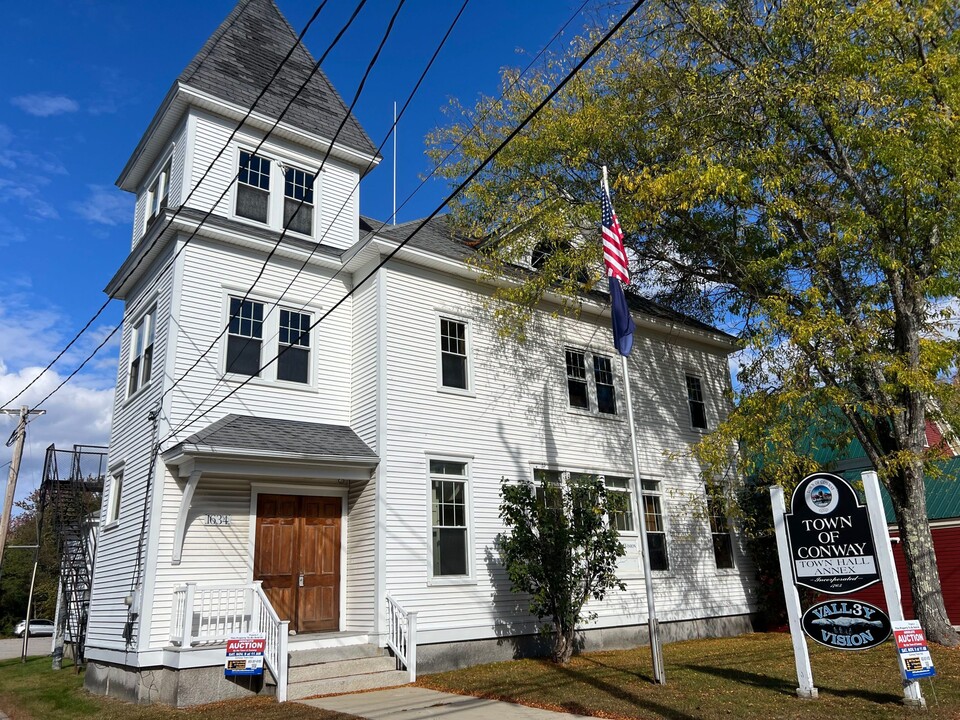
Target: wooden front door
pixel 297 556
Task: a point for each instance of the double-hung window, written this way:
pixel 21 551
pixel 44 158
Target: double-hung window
pixel 245 337
pixel 450 533
pixel 656 528
pixel 159 194
pixel 593 391
pixel 298 200
pixel 698 408
pixel 141 353
pixel 293 364
pixel 720 532
pixel 253 187
pixel 259 332
pixel 621 503
pixel 454 363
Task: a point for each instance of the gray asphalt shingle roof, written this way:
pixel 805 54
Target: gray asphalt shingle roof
pixel 238 60
pixel 245 432
pixel 437 237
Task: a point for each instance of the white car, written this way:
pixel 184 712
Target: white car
pixel 37 628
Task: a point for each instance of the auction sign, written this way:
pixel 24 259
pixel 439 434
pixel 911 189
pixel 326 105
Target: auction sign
pixel 831 548
pixel 915 660
pixel 245 655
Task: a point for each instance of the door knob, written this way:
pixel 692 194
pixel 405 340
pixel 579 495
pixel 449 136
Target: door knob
pixel 301 579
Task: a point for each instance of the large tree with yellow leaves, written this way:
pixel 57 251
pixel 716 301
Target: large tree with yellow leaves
pixel 788 166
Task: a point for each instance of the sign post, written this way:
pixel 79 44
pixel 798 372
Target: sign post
pixel 801 655
pixel 888 572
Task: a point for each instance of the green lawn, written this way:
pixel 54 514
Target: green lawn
pixel 32 691
pixel 748 677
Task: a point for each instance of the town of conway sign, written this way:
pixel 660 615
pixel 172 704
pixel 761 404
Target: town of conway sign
pixel 831 547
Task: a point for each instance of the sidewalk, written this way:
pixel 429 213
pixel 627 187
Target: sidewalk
pixel 414 703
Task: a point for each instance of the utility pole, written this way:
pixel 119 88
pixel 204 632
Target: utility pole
pixel 16 439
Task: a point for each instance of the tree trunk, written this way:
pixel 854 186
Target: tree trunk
pixel 910 505
pixel 563 642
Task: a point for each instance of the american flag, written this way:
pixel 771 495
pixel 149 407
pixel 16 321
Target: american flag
pixel 614 255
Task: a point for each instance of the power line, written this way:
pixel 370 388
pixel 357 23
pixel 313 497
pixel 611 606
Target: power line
pixel 183 204
pixel 303 265
pixel 314 70
pixel 409 197
pixel 283 233
pixel 513 133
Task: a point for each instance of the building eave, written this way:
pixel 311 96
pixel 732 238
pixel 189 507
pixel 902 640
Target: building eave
pixel 459 268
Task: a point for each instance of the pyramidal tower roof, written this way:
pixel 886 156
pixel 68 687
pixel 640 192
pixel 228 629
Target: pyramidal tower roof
pixel 239 59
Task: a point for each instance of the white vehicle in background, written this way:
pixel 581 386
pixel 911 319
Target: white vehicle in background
pixel 37 628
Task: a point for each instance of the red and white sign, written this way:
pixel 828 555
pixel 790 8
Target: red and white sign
pixel 915 660
pixel 245 655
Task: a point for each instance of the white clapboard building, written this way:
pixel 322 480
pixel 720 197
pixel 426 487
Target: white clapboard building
pixel 347 494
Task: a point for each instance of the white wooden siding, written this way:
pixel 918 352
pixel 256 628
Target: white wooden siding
pixel 203 316
pixel 336 186
pixel 130 443
pixel 517 417
pixel 361 556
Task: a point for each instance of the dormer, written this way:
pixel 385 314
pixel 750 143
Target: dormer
pixel 196 129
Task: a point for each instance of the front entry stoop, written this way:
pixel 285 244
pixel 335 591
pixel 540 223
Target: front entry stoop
pixel 344 669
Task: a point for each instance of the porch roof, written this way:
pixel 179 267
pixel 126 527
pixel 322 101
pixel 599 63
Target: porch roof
pixel 267 438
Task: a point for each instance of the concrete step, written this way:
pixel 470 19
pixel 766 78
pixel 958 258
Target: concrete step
pixel 342 668
pixel 334 654
pixel 339 685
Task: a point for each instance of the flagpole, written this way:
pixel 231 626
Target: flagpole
pixel 653 625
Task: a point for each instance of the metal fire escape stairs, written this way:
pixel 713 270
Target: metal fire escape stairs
pixel 70 498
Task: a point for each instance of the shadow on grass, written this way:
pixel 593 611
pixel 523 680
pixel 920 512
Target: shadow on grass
pixel 637 674
pixel 787 688
pixel 618 692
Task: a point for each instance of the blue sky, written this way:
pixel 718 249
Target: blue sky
pixel 83 79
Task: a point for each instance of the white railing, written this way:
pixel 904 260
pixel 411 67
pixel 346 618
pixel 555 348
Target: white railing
pixel 209 615
pixel 402 636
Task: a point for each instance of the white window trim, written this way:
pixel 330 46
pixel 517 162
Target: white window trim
pixel 148 315
pixel 733 542
pixel 686 399
pixel 270 342
pixel 470 578
pixel 470 390
pixel 164 165
pixel 112 517
pixel 659 493
pixel 278 162
pixel 594 409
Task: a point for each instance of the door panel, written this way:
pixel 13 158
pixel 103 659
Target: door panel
pixel 319 607
pixel 274 559
pixel 299 536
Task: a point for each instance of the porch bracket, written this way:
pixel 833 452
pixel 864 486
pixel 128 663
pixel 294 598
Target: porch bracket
pixel 185 502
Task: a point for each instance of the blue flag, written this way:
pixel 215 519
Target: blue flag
pixel 623 326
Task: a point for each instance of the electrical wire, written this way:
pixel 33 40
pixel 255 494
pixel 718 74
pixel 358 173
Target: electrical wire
pixel 319 242
pixel 513 133
pixel 283 233
pixel 183 204
pixel 314 70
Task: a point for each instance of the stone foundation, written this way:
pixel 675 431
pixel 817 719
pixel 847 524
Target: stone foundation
pixel 179 688
pixel 452 656
pixel 196 686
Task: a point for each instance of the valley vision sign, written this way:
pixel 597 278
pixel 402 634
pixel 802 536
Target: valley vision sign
pixel 831 549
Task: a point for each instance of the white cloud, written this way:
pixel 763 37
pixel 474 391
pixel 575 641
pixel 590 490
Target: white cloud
pixel 45 104
pixel 78 413
pixel 105 206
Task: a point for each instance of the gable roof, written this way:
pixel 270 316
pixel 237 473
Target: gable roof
pixel 272 436
pixel 439 238
pixel 238 60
